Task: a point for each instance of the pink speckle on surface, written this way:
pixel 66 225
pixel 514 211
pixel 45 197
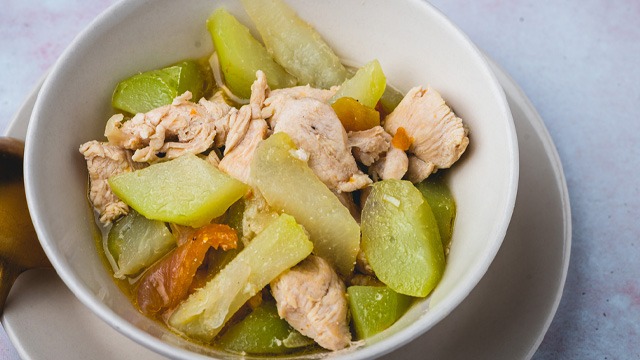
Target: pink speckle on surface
pixel 47 53
pixel 632 290
pixel 33 34
pixel 621 19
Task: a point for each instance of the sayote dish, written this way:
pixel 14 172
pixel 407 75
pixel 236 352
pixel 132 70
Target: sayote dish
pixel 268 199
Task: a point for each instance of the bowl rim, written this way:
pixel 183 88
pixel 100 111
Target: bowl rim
pixel 420 326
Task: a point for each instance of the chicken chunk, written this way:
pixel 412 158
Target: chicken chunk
pixel 392 166
pixel 368 145
pixel 314 127
pixel 304 114
pixel 220 111
pixel 105 160
pixel 419 170
pixel 278 99
pixel 238 126
pixel 213 158
pixel 439 137
pixel 299 92
pixel 237 162
pixel 239 120
pixel 259 92
pixel 173 130
pixel 246 130
pixel 312 299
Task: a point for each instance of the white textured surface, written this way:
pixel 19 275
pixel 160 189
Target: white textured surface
pixel 574 59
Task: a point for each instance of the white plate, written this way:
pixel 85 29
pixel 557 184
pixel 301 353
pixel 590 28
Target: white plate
pixel 504 317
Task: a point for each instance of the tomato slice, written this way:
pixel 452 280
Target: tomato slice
pixel 167 282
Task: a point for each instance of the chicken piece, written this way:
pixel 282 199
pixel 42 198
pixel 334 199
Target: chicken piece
pixel 246 130
pixel 239 120
pixel 419 170
pixel 306 91
pixel 259 92
pixel 368 145
pixel 238 126
pixel 439 137
pixel 392 166
pixel 278 99
pixel 312 299
pixel 153 133
pixel 213 158
pixel 219 110
pixel 314 127
pixel 103 161
pixel 237 162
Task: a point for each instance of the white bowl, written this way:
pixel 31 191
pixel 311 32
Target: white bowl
pixel 415 44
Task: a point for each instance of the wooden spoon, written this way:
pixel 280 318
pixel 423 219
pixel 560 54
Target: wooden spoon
pixel 19 246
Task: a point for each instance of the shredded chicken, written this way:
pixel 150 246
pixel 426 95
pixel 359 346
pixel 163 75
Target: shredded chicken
pixel 105 160
pixel 239 120
pixel 259 91
pixel 392 166
pixel 246 130
pixel 237 162
pixel 314 127
pixel 213 158
pixel 419 170
pixel 312 298
pixel 220 111
pixel 173 130
pixel 238 125
pixel 439 137
pixel 367 146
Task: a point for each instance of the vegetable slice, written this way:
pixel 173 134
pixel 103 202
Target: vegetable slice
pixel 136 242
pixel 167 282
pixel 295 45
pixel 263 332
pixel 439 197
pixel 366 86
pixel 186 191
pixel 400 238
pixel 375 308
pixel 390 99
pixel 279 247
pixel 241 55
pixel 149 90
pixel 289 185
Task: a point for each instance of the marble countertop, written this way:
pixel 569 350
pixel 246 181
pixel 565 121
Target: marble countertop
pixel 577 62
